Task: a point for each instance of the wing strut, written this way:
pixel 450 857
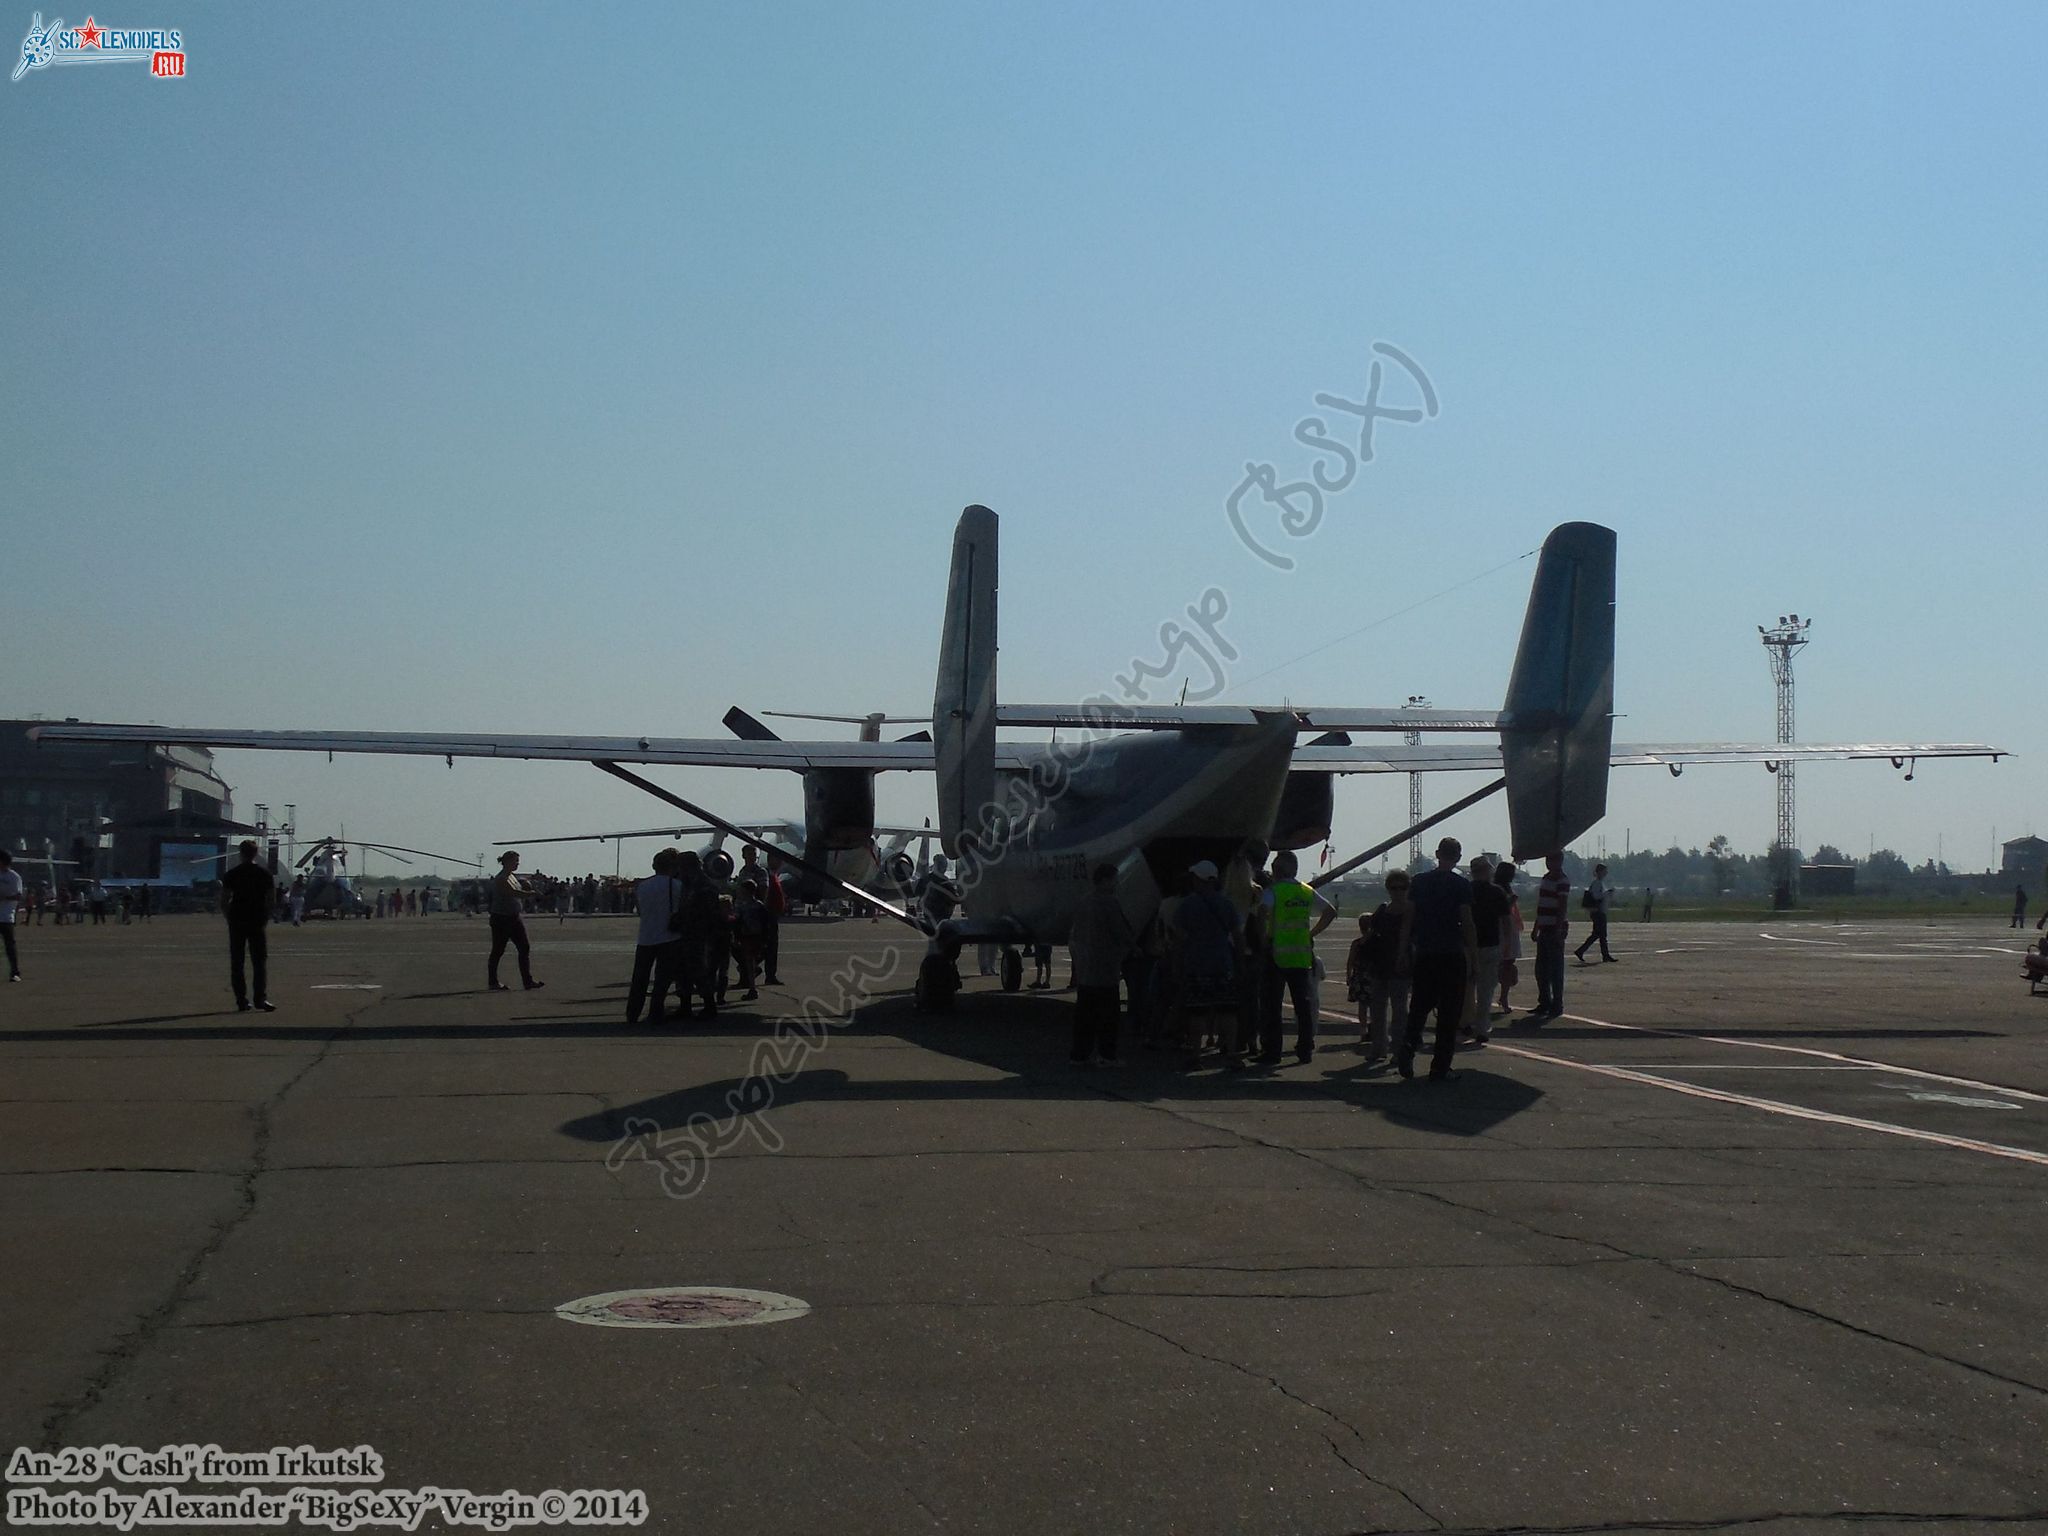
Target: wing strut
pixel 1340 870
pixel 751 841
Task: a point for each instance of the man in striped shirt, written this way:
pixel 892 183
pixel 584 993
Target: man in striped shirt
pixel 1553 903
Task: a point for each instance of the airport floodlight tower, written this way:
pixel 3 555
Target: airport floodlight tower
pixel 1787 637
pixel 1414 739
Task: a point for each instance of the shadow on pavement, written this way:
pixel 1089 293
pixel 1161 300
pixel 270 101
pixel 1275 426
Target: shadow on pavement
pixel 1026 1038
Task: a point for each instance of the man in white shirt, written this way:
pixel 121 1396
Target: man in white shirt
pixel 10 895
pixel 660 896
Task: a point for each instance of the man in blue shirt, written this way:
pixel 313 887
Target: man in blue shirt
pixel 1446 944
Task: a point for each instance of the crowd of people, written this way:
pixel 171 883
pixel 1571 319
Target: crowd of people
pixel 1233 952
pixel 1218 968
pixel 417 902
pixel 90 901
pixel 564 896
pixel 697 935
pixel 695 932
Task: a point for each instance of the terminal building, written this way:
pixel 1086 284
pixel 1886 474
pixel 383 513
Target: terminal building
pixel 2023 861
pixel 117 812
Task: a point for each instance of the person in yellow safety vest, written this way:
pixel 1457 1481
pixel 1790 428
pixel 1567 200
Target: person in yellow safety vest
pixel 1293 916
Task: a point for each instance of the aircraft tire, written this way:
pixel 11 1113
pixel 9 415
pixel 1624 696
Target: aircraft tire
pixel 936 984
pixel 1013 970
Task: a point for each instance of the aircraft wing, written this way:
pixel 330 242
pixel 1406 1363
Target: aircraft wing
pixel 1473 759
pixel 682 751
pixel 1630 755
pixel 790 830
pixel 912 756
pixel 667 829
pixel 1176 717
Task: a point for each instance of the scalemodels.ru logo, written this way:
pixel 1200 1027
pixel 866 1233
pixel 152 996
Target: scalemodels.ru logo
pixel 161 48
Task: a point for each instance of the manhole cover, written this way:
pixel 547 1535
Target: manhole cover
pixel 682 1306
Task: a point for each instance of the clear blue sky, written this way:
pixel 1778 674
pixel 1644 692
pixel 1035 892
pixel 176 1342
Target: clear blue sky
pixel 543 370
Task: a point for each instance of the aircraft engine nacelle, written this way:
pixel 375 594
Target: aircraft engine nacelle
pixel 839 806
pixel 1307 804
pixel 718 864
pixel 898 869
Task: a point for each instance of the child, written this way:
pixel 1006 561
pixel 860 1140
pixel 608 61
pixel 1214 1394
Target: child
pixel 1355 981
pixel 1510 936
pixel 718 958
pixel 1384 967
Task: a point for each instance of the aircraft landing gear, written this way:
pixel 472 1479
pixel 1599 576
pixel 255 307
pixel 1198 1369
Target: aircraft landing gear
pixel 1013 970
pixel 938 982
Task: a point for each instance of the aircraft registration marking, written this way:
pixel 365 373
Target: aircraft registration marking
pixel 1060 866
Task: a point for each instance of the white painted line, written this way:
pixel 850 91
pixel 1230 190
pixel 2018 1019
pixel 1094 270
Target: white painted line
pixel 347 986
pixel 1807 1050
pixel 1784 938
pixel 1773 1106
pixel 1746 1066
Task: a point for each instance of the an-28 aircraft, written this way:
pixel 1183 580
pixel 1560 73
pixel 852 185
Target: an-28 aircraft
pixel 1150 789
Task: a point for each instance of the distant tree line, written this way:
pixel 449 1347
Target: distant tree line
pixel 1718 870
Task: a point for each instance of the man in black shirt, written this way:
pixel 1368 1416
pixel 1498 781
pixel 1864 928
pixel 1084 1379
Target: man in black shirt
pixel 247 894
pixel 1446 948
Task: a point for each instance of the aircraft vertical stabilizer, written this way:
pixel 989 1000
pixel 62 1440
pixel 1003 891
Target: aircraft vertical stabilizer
pixel 964 705
pixel 1557 728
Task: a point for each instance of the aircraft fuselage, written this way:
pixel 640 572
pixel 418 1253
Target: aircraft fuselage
pixel 1150 804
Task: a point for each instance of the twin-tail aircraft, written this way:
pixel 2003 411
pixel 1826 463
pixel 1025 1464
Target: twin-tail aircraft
pixel 1149 789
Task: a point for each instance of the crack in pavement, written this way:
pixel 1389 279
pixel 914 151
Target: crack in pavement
pixel 1292 1396
pixel 847 1437
pixel 130 1345
pixel 1683 1267
pixel 46 1173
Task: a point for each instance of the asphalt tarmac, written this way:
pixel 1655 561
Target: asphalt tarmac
pixel 1754 1239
